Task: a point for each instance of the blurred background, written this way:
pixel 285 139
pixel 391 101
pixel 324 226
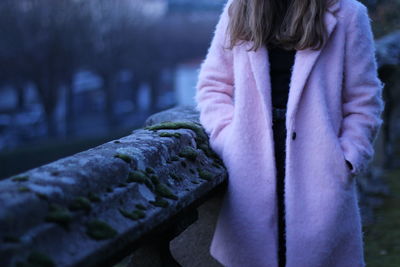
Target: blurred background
pixel 76 73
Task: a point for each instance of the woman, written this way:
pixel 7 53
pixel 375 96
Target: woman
pixel 292 159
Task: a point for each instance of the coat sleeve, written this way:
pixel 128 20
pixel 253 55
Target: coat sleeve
pixel 215 84
pixel 362 93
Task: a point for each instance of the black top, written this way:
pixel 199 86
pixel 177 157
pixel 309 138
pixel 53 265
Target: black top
pixel 281 62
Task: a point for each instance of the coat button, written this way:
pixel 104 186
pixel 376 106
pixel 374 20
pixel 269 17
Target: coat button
pixel 294 135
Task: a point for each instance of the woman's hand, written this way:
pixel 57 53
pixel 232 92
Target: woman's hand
pixel 362 93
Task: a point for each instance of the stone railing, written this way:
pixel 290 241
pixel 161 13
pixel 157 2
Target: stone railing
pixel 134 196
pixel 96 207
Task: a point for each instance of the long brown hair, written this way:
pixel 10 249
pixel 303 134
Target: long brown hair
pixel 290 24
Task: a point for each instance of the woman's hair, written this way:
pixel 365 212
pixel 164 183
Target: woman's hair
pixel 290 24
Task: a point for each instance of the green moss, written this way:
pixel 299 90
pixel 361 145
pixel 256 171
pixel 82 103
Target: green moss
pixel 150 170
pixel 166 134
pixel 42 196
pixel 164 191
pixel 58 214
pixel 205 175
pixel 136 176
pixel 109 189
pixel 195 127
pixel 176 177
pixel 24 189
pixel 189 153
pixel 11 239
pixel 140 206
pixel 154 179
pixel 20 178
pixel 159 202
pixel 122 185
pixel 80 203
pixel 134 215
pixel 100 230
pixel 216 165
pixel 149 184
pixel 207 150
pixel 175 158
pixel 93 197
pixel 36 259
pixel 124 157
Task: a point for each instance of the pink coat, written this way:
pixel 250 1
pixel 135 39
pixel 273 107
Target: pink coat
pixel 334 114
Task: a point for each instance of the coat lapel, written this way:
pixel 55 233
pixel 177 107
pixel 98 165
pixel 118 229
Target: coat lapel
pixel 303 64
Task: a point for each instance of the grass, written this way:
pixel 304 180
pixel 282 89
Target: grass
pixel 382 239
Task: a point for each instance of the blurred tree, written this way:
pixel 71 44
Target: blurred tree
pixel 42 46
pixel 47 42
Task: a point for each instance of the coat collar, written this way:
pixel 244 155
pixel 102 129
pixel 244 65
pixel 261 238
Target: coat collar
pixel 303 64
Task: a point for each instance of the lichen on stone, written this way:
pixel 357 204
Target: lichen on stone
pixel 154 179
pixel 189 153
pixel 58 214
pixel 176 177
pixel 166 134
pixel 140 206
pixel 175 158
pixel 20 178
pixel 134 215
pixel 93 197
pixel 136 176
pixel 204 174
pixel 149 184
pixel 162 190
pixel 24 189
pixel 124 157
pixel 159 202
pixel 36 259
pixel 100 230
pixel 150 170
pixel 42 196
pixel 122 185
pixel 80 203
pixel 216 165
pixel 174 125
pixel 201 138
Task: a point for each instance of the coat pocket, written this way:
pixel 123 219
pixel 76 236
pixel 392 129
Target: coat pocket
pixel 349 176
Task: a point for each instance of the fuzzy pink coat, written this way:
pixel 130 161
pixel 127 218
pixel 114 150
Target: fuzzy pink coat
pixel 334 114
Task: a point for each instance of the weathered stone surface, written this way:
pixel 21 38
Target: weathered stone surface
pixel 174 114
pixel 89 209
